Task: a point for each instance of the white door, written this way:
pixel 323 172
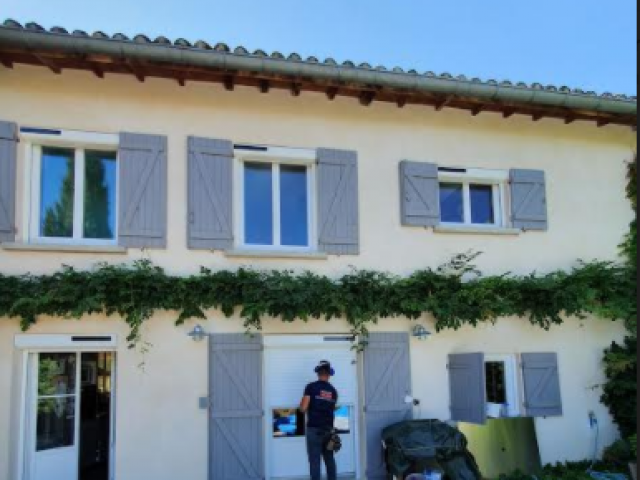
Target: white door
pixel 54 416
pixel 289 365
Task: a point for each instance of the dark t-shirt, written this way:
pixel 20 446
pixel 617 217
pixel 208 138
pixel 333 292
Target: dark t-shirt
pixel 322 407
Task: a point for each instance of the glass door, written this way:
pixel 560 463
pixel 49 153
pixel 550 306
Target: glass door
pixel 54 420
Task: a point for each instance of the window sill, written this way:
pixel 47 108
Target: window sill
pixel 242 253
pixel 469 230
pixel 40 247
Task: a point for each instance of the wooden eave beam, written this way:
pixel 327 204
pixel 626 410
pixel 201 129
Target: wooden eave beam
pixel 366 98
pixel 442 102
pixel 135 71
pixel 332 93
pixel 477 110
pixel 296 89
pixel 509 112
pixel 401 101
pixel 603 122
pixel 536 117
pixel 97 71
pixel 50 64
pixel 229 83
pixel 264 86
pixel 6 62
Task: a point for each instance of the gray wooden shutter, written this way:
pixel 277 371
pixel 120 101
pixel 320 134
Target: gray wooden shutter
pixel 8 153
pixel 143 191
pixel 419 194
pixel 387 377
pixel 338 229
pixel 528 199
pixel 210 194
pixel 236 424
pixel 467 388
pixel 541 384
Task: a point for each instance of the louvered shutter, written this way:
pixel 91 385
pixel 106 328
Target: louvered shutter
pixel 467 388
pixel 143 191
pixel 528 199
pixel 236 426
pixel 387 378
pixel 8 153
pixel 338 217
pixel 420 194
pixel 541 384
pixel 210 194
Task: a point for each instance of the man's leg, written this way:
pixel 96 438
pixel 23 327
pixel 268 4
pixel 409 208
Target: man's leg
pixel 330 462
pixel 314 450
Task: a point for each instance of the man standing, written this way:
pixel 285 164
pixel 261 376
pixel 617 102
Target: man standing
pixel 319 402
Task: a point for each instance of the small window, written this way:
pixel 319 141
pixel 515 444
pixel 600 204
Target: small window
pixel 277 203
pixel 501 380
pixel 288 422
pixel 474 198
pixel 74 195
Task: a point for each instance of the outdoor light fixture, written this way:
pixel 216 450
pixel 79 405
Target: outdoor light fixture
pixel 421 333
pixel 198 334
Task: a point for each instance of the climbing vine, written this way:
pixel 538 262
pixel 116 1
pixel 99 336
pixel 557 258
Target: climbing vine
pixel 455 294
pixel 621 360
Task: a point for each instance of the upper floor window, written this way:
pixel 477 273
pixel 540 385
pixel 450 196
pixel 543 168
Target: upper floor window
pixel 472 197
pixel 277 200
pixel 73 192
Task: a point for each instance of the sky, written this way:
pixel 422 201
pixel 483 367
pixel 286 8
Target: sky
pixel 590 44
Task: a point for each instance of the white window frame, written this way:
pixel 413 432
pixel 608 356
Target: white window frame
pixel 37 139
pixel 30 345
pixel 276 156
pixel 497 179
pixel 512 383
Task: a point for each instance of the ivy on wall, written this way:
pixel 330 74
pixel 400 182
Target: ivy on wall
pixel 455 294
pixel 621 361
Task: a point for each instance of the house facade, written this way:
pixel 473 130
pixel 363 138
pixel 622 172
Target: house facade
pixel 116 150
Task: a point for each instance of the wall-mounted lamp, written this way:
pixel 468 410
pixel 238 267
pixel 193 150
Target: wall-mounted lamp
pixel 421 333
pixel 198 334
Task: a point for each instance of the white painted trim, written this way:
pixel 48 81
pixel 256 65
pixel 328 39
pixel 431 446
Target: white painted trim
pixel 496 178
pixel 275 253
pixel 23 422
pixel 285 155
pixel 290 157
pixel 71 138
pixel 458 228
pixel 511 380
pixel 48 342
pixel 27 179
pixel 297 341
pixel 68 248
pixel 475 175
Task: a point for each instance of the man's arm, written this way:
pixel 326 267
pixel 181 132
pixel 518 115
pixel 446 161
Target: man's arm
pixel 304 404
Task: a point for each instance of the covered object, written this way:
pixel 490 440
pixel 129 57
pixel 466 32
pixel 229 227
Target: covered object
pixel 413 445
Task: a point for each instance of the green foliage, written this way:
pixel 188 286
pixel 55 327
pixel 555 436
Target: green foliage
pixel 455 294
pixel 621 361
pixel 619 453
pixel 620 390
pixel 569 471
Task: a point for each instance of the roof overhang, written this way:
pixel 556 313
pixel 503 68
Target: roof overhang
pixel 142 58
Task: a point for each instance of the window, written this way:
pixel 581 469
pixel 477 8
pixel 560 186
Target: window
pixel 501 380
pixel 276 202
pixel 73 192
pixel 472 197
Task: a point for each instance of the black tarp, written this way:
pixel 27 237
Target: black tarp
pixel 412 445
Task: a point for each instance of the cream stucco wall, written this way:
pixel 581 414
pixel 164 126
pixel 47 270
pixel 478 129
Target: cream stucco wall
pixel 161 432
